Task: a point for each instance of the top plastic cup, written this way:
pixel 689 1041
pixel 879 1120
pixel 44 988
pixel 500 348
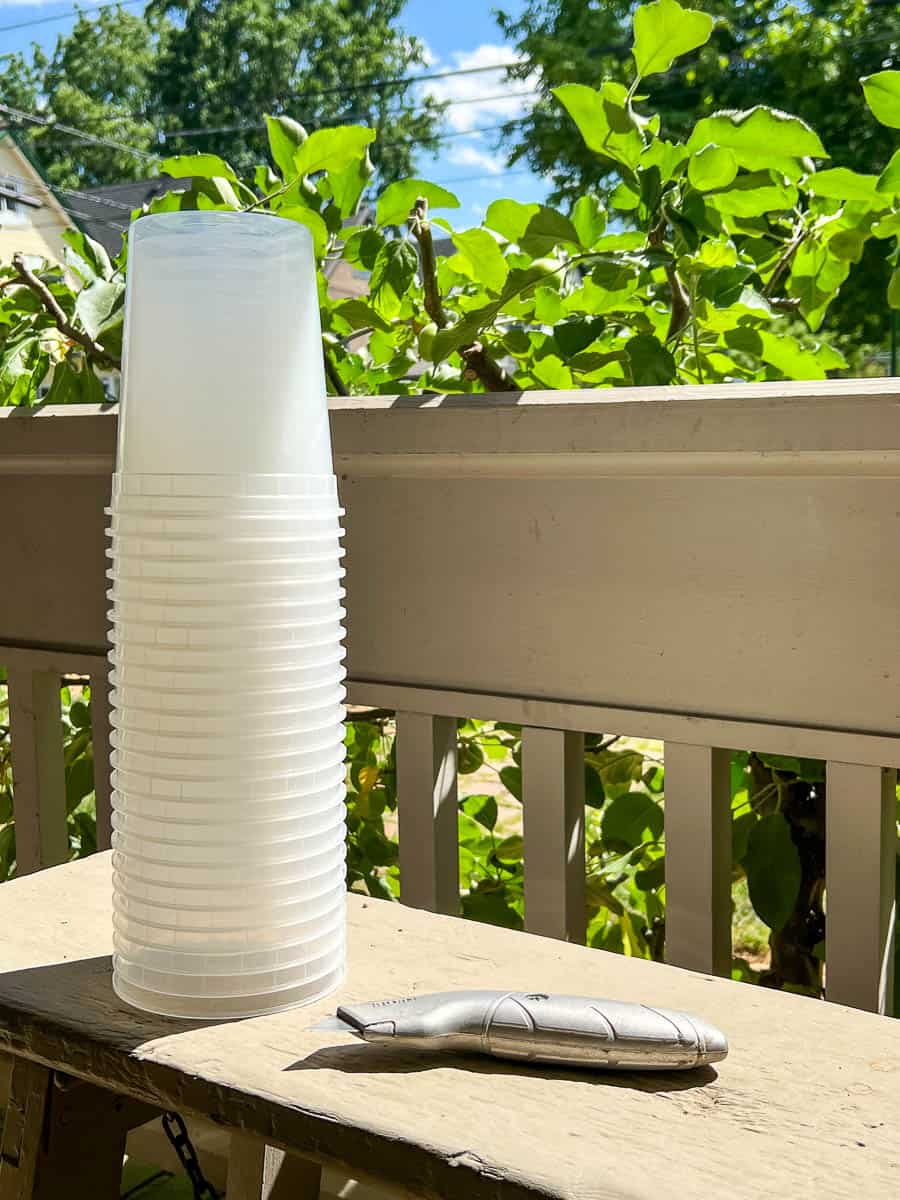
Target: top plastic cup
pixel 223 370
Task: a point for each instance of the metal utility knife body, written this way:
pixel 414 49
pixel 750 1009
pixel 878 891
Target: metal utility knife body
pixel 533 1026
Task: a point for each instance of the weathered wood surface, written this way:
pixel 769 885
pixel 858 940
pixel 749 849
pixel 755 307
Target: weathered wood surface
pixel 807 1104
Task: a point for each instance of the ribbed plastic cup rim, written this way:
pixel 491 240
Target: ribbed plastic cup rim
pixel 313 538
pixel 308 644
pixel 193 609
pixel 140 861
pixel 258 580
pixel 140 636
pixel 132 949
pixel 246 591
pixel 250 807
pixel 229 963
pixel 289 894
pixel 197 1009
pixel 256 748
pixel 133 483
pixel 247 521
pixel 132 713
pixel 278 836
pixel 273 560
pixel 321 716
pixel 159 842
pixel 191 790
pixel 334 678
pixel 270 909
pixel 322 671
pixel 335 896
pixel 121 615
pixel 248 770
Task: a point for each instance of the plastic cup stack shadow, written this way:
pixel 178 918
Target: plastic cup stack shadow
pixel 227 700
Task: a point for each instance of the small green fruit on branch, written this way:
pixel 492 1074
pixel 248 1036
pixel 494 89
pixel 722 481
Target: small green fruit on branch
pixel 478 364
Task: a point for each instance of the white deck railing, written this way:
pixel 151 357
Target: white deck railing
pixel 714 567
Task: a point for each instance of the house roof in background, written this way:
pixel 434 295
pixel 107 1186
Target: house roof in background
pixel 107 222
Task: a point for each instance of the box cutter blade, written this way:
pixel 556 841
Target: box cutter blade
pixel 540 1027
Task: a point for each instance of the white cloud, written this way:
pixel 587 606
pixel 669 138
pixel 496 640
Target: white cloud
pixel 471 156
pixel 486 98
pixel 26 3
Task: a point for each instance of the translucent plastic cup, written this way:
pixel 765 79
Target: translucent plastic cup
pixel 239 813
pixel 128 712
pixel 327 670
pixel 146 863
pixel 213 572
pixel 328 730
pixel 241 487
pixel 274 840
pixel 200 936
pixel 210 637
pixel 209 909
pixel 215 615
pixel 174 786
pixel 178 961
pixel 168 709
pixel 206 763
pixel 223 345
pixel 198 1008
pixel 300 547
pixel 227 657
pixel 145 523
pixel 256 589
pixel 241 982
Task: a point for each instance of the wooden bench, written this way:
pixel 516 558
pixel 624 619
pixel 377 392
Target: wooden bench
pixel 806 1104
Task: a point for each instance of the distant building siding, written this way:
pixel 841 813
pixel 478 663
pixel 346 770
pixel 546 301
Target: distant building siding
pixel 30 230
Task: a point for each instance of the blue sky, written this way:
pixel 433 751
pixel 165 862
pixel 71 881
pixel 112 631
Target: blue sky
pixel 457 33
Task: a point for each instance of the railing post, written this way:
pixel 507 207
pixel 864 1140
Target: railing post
pixel 860 855
pixel 553 819
pixel 698 858
pixel 427 812
pixel 100 748
pixel 39 777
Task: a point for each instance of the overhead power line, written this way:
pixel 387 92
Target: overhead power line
pixel 70 12
pixel 48 123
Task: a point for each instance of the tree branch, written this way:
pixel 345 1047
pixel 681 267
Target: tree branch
pixel 787 258
pixel 332 375
pixel 62 322
pixel 478 364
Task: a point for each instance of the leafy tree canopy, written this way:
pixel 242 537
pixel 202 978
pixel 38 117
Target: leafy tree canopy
pixel 805 57
pixel 212 64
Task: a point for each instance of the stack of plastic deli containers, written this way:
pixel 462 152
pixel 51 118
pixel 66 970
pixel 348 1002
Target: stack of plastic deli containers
pixel 227 692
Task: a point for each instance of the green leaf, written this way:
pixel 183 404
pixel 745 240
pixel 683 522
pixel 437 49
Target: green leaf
pixel 509 218
pixel 663 31
pixel 712 167
pixel 760 138
pixel 480 258
pixel 882 93
pixel 285 136
pixel 576 333
pixel 97 303
pixel 87 258
pixel 588 219
pixel 651 363
pixel 394 269
pixel 492 908
pixel 889 179
pixel 754 195
pixel 773 870
pixel 781 351
pixel 80 714
pixel 72 386
pixel 362 247
pixel 359 314
pixel 511 778
pixel 332 149
pixel 469 757
pixel 810 770
pixel 397 199
pixel 604 120
pixel 893 292
pixel 842 184
pixel 632 819
pixel 79 781
pixel 482 809
pixel 348 185
pixel 510 849
pixel 741 828
pixel 312 221
pixel 198 166
pixel 546 230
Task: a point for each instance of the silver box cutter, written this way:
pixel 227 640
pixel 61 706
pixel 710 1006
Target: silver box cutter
pixel 539 1027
